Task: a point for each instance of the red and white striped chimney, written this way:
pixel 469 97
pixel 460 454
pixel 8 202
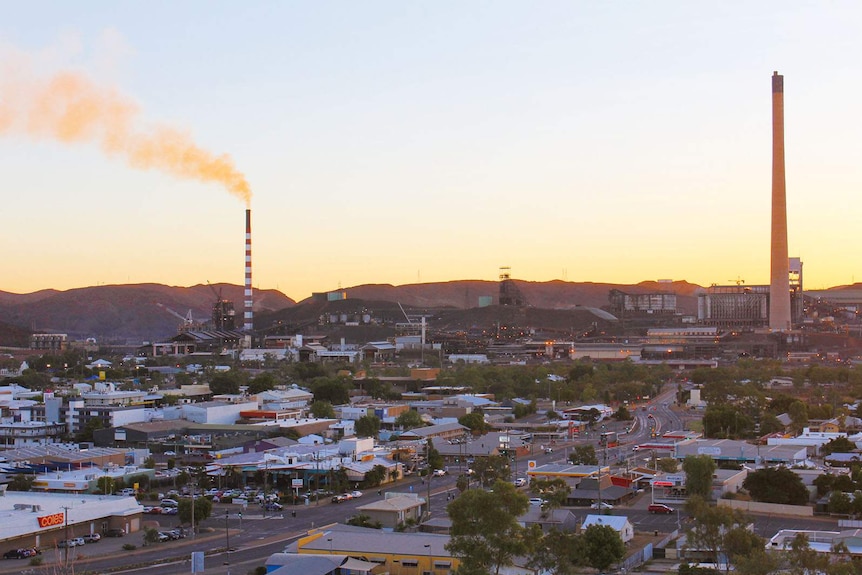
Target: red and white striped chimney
pixel 248 316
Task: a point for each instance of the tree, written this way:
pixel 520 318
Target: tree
pixel 776 485
pixel 798 413
pixel 769 424
pixel 712 526
pixel 668 464
pixel 410 419
pixel 489 470
pixel 226 383
pixel 475 421
pixel 558 552
pixel 86 434
pixel 435 460
pixel 555 492
pixel 106 484
pixel 485 534
pixel 322 410
pixel 332 389
pixel 698 475
pixel 839 502
pixel 603 546
pixel 375 476
pixel 21 482
pixel 203 510
pixel 584 455
pixel 802 559
pixel 363 520
pixel 367 426
pixel 263 382
pixel 837 445
pixel 151 536
pixel 622 414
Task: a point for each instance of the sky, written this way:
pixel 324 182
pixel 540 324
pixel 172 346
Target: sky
pixel 411 142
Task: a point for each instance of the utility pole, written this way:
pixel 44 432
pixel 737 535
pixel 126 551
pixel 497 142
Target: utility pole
pixel 429 474
pixel 66 535
pixel 227 540
pixel 193 510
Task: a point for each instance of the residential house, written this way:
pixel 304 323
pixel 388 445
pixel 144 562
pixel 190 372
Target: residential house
pixel 618 523
pixel 395 509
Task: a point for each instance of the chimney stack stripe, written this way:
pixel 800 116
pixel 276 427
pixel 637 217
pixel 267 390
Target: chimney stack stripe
pixel 248 324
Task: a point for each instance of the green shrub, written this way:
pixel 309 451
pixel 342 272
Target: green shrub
pixel 129 546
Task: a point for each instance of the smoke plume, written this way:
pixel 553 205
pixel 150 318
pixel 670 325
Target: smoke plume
pixel 68 107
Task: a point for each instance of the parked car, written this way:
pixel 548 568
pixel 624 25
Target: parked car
pixel 536 501
pixel 170 510
pixel 601 505
pixel 438 472
pixel 273 506
pixel 114 532
pixel 660 508
pixel 163 537
pixel 340 498
pixel 74 542
pixel 169 503
pixel 356 494
pixel 520 482
pixel 18 554
pixel 92 538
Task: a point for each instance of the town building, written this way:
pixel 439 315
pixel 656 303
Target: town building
pixel 32 519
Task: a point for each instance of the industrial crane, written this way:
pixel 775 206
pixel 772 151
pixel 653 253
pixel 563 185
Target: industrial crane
pixel 188 321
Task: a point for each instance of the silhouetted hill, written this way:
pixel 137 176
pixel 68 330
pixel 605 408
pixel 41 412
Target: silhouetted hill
pixel 124 313
pixel 135 313
pixel 555 294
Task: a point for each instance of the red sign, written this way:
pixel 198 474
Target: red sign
pixel 51 520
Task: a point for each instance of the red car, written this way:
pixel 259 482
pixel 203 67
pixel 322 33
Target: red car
pixel 660 508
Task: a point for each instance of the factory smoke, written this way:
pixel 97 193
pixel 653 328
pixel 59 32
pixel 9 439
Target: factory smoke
pixel 68 107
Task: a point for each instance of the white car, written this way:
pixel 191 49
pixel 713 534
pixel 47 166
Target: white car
pixel 536 501
pixel 355 494
pixel 438 472
pixel 520 482
pixel 601 505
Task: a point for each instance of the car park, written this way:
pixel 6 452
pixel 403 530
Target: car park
pixel 660 508
pixel 74 542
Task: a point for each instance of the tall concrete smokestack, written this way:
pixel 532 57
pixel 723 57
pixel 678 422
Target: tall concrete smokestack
pixel 779 284
pixel 248 316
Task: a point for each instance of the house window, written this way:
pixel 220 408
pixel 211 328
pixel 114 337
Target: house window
pixel 409 563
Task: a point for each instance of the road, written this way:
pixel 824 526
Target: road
pixel 254 538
